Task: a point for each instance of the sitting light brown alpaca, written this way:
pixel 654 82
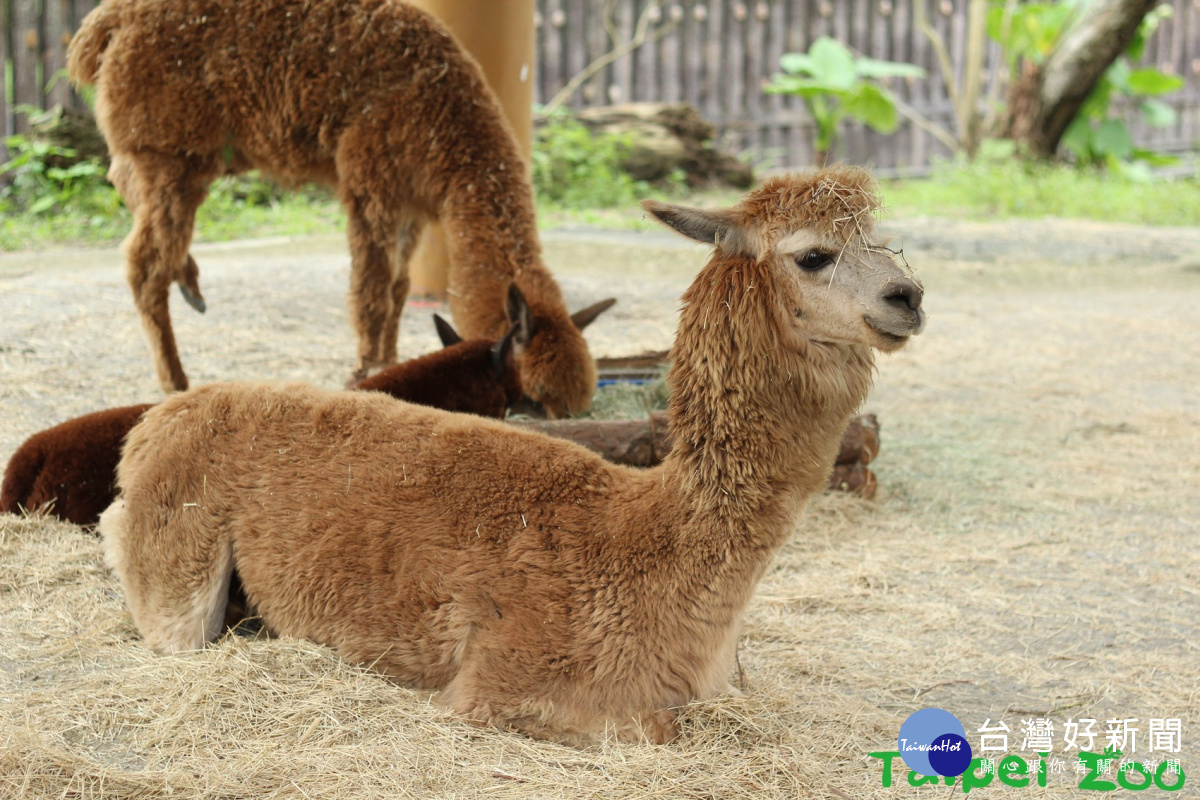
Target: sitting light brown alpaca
pixel 533 584
pixel 372 97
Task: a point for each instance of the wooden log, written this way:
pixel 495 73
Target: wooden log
pixel 645 442
pixel 635 442
pixel 70 129
pixel 651 358
pixel 666 138
pixel 860 444
pixel 855 479
pixel 645 367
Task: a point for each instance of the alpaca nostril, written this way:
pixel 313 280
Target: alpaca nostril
pixel 905 294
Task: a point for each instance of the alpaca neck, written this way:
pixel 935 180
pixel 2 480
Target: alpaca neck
pixel 491 233
pixel 755 423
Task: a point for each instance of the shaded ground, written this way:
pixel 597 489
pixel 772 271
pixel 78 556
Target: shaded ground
pixel 1032 553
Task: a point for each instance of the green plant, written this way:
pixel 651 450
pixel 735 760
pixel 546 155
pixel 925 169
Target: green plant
pixel 1098 135
pixel 41 178
pixel 574 167
pixel 836 84
pixel 997 185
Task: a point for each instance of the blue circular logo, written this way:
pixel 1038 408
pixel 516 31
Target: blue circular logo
pixel 934 742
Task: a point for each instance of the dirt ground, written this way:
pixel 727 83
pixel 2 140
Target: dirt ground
pixel 1032 553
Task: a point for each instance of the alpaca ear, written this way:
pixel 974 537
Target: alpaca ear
pixel 500 351
pixel 446 331
pixel 715 227
pixel 520 318
pixel 586 316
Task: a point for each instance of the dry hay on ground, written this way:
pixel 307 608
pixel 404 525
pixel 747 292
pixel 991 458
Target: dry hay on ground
pixel 1032 554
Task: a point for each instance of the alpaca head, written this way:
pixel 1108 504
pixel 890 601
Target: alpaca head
pixel 816 256
pixel 557 372
pixel 505 387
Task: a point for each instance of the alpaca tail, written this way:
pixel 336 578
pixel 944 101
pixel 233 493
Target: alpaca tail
pixel 19 479
pixel 89 43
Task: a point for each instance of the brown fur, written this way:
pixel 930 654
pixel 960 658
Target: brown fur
pixel 533 584
pixel 372 97
pixel 70 470
pixel 459 378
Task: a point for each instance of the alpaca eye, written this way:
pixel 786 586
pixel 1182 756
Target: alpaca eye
pixel 814 260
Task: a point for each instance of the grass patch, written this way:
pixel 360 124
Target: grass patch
pixel 248 206
pixel 1013 189
pixel 629 400
pixel 237 208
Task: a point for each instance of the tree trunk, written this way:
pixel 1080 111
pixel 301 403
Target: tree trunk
pixel 1046 98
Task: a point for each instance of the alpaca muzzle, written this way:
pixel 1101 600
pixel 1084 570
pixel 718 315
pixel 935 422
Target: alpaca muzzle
pixel 898 315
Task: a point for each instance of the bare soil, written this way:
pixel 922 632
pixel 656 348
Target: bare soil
pixel 1032 553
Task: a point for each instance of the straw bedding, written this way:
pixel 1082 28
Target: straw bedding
pixel 1031 553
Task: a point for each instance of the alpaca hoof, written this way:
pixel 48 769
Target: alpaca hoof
pixel 194 300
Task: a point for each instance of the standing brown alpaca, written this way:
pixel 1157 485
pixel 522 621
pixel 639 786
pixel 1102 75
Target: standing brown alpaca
pixel 372 97
pixel 533 584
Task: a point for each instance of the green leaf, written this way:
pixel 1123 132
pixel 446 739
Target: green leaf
pixel 997 150
pixel 1155 159
pixel 42 204
pixel 995 23
pixel 832 63
pixel 1095 107
pixel 796 63
pixel 1158 114
pixel 1137 46
pixel 872 106
pixel 1152 82
pixel 1077 140
pixel 804 87
pixel 1112 139
pixel 874 68
pixel 1118 74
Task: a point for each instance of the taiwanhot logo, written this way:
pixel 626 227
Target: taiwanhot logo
pixel 934 742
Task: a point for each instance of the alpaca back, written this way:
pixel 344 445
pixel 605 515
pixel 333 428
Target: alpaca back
pixel 353 516
pixel 72 465
pixel 187 81
pixel 461 378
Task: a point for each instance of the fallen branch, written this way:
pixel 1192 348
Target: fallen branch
pixel 642 34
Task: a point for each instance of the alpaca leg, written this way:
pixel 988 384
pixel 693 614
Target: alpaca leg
pixel 150 295
pixel 165 194
pixel 120 175
pixel 371 279
pixel 406 242
pixel 175 580
pixel 655 728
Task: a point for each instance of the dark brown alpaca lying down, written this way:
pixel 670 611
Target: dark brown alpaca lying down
pixel 70 470
pixel 528 581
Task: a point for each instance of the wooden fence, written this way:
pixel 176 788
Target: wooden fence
pixel 719 53
pixel 715 54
